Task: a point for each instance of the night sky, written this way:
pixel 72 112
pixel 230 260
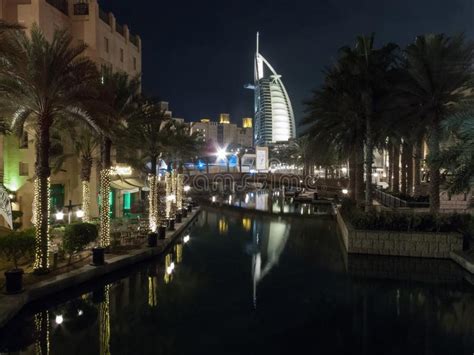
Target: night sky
pixel 198 54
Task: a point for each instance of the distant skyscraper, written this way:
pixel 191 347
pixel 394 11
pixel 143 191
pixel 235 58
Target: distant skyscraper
pixel 274 118
pixel 224 118
pixel 247 122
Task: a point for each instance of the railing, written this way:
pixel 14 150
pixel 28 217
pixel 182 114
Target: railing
pixel 61 5
pixel 395 202
pixel 119 28
pixel 134 40
pixel 104 16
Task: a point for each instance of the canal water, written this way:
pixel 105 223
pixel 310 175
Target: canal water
pixel 236 283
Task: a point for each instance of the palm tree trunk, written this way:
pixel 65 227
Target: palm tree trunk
pixel 43 173
pixel 352 175
pixel 396 167
pixel 86 170
pixel 368 163
pixel 404 168
pixel 390 166
pixel 410 169
pixel 434 166
pixel 359 173
pixel 417 167
pixel 153 197
pixel 105 148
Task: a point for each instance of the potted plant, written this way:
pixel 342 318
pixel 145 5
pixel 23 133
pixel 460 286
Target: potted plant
pixel 152 239
pixel 161 231
pixel 14 247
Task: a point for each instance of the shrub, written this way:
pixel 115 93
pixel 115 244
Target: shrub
pixel 77 236
pixel 17 245
pixel 396 221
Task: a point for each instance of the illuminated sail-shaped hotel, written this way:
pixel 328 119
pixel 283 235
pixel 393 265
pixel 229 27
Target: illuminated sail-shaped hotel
pixel 274 118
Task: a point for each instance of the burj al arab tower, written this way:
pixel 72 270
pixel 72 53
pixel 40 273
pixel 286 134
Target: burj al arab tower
pixel 274 117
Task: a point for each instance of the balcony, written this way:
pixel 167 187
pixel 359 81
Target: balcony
pixel 61 5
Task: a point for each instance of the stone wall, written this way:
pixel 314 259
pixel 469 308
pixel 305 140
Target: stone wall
pixel 416 244
pixel 459 203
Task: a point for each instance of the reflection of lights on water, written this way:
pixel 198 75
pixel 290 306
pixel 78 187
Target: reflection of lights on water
pixel 170 268
pixel 80 312
pixel 345 191
pixel 230 199
pixel 59 319
pixel 223 226
pixel 186 239
pixel 246 224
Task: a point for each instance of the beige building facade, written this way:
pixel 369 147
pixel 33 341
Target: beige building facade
pixel 224 133
pixel 109 44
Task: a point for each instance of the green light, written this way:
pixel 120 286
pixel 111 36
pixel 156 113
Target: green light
pixel 127 201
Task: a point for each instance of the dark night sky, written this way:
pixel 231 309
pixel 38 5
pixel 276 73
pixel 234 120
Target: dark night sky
pixel 198 54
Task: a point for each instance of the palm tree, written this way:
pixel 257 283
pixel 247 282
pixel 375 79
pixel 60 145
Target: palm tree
pixel 369 69
pixel 180 145
pixel 43 82
pixel 117 102
pixel 440 69
pixel 334 115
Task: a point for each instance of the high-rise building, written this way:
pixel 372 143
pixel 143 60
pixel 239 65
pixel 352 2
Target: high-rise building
pixel 274 117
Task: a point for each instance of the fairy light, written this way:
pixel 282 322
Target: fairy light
pixel 174 184
pixel 104 208
pixel 169 189
pixel 41 263
pixel 179 191
pixel 152 298
pixel 178 249
pixel 168 275
pixel 152 200
pixel 162 204
pixel 42 344
pixel 104 323
pixel 86 201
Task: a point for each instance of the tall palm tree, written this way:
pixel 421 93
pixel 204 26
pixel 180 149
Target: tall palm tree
pixel 370 70
pixel 42 82
pixel 334 116
pixel 440 70
pixel 117 101
pixel 143 139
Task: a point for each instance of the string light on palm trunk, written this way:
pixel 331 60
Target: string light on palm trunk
pixel 105 208
pixel 41 222
pixel 86 202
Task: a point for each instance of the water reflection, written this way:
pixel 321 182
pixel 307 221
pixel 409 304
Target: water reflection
pixel 274 201
pixel 307 292
pixel 269 241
